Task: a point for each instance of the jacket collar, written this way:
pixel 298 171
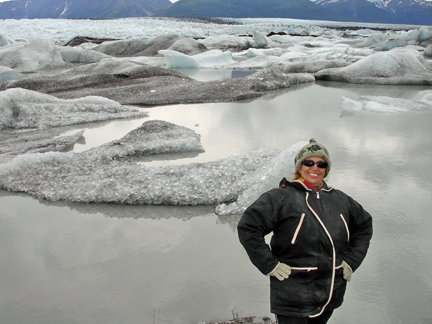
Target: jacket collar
pixel 301 186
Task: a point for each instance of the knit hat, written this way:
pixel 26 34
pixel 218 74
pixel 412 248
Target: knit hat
pixel 312 149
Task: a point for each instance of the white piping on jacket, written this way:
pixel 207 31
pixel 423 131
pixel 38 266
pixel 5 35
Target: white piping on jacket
pixel 298 228
pixel 334 257
pixel 304 268
pixel 346 226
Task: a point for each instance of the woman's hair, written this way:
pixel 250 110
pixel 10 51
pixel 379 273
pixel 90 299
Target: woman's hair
pixel 296 174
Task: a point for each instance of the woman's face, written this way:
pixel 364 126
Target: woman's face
pixel 313 175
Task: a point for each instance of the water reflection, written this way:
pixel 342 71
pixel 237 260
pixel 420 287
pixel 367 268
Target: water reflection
pixel 102 263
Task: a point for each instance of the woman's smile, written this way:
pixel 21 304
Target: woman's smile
pixel 313 174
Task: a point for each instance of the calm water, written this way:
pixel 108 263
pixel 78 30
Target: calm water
pixel 86 263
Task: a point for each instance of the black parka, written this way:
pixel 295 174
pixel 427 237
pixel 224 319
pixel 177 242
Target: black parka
pixel 313 232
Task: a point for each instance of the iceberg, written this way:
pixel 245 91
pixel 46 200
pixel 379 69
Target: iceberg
pixel 13 144
pixel 381 68
pixel 151 46
pixel 385 104
pixel 79 55
pixel 152 137
pixel 210 59
pixel 87 177
pixel 37 55
pixel 263 180
pixel 9 74
pixel 21 108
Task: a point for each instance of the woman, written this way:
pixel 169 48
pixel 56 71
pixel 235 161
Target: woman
pixel 320 237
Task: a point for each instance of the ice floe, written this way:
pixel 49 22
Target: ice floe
pixel 38 54
pixel 85 177
pixel 152 137
pixel 381 68
pixel 385 104
pixel 133 62
pixel 20 108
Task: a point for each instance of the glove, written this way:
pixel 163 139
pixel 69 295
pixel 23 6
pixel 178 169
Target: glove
pixel 347 271
pixel 281 272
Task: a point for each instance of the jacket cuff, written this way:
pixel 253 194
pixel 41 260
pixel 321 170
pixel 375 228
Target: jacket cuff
pixel 271 272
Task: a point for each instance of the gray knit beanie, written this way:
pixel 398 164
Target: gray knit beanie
pixel 312 149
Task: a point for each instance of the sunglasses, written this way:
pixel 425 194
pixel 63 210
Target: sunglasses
pixel 310 163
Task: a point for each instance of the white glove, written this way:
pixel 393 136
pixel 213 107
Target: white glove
pixel 281 272
pixel 347 271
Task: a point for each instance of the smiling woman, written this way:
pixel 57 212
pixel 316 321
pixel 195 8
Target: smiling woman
pixel 320 236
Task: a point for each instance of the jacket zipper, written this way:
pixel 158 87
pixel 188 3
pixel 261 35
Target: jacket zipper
pixel 298 228
pixel 333 257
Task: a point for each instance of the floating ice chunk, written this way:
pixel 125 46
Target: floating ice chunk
pixel 425 33
pixel 20 108
pixel 227 42
pixel 39 54
pixel 7 49
pixel 428 50
pixel 36 142
pixel 9 74
pixel 87 178
pixel 79 55
pixel 264 179
pixel 253 52
pixel 285 39
pixel 401 67
pixel 311 67
pixel 412 35
pixel 390 44
pixel 176 60
pixel 260 39
pixel 152 137
pixel 385 104
pixel 188 46
pixel 138 47
pixel 359 52
pixel 210 59
pixel 214 58
pixel 373 39
pixel 4 41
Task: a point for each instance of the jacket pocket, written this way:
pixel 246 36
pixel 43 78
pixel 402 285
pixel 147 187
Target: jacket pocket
pixel 298 228
pixel 346 226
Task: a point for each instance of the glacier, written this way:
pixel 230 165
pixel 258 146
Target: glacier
pixel 46 87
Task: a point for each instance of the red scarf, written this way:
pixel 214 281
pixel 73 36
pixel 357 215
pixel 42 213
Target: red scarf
pixel 315 188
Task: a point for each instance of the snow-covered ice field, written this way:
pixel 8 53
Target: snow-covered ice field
pixel 99 136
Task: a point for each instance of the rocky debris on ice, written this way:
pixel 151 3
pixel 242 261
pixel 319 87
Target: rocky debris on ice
pixel 21 108
pixel 385 104
pixel 151 46
pixel 394 67
pixel 17 143
pixel 84 177
pixel 152 137
pixel 108 73
pixel 227 43
pixel 132 83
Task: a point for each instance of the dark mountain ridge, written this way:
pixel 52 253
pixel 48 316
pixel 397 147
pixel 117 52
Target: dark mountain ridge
pixel 416 12
pixel 80 9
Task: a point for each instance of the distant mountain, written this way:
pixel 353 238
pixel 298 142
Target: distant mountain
pixel 95 9
pixel 417 12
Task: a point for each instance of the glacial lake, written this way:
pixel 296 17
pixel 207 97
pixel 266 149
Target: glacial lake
pixel 108 264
